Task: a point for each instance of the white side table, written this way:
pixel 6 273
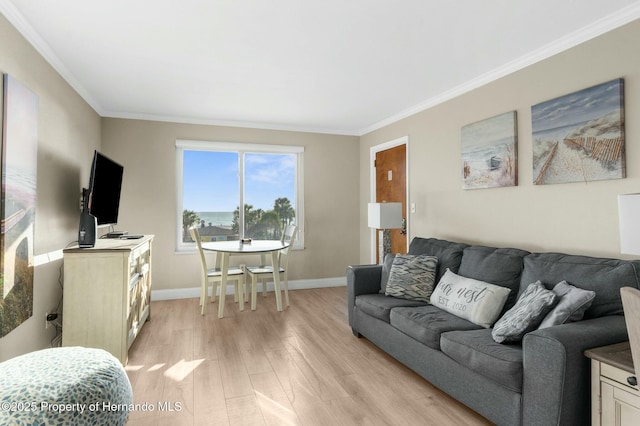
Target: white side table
pixel 614 399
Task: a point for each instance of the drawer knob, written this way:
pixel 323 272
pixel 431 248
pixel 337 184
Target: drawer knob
pixel 632 380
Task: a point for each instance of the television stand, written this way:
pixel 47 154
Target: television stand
pixel 107 294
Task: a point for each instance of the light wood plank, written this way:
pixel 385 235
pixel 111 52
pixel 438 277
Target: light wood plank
pixel 244 410
pixel 301 366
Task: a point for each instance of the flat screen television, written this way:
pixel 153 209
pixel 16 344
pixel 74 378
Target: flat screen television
pixel 104 189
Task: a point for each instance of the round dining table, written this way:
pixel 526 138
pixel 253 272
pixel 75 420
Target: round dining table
pixel 238 247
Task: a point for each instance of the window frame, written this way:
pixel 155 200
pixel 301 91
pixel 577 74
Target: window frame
pixel 240 148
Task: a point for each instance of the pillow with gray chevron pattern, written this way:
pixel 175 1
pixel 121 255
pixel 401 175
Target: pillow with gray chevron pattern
pixel 412 277
pixel 530 309
pixel 476 301
pixel 386 269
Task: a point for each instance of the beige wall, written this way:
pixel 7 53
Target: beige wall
pixel 147 151
pixel 577 217
pixel 68 132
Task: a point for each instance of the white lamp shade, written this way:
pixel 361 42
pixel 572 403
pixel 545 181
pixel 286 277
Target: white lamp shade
pixel 629 216
pixel 385 215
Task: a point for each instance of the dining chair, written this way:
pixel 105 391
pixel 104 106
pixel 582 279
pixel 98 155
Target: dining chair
pixel 265 272
pixel 213 276
pixel 287 234
pixel 631 306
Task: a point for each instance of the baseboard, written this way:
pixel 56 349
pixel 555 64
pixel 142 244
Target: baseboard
pixel 188 293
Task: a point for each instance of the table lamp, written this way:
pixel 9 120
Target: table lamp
pixel 384 216
pixel 629 222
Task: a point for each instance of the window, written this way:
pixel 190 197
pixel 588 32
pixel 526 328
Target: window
pixel 216 178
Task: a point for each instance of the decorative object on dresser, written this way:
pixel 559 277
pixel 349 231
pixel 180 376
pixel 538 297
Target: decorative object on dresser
pixel 107 294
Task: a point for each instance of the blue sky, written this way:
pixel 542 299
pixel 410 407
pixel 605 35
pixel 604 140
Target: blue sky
pixel 488 132
pixel 211 183
pixel 578 107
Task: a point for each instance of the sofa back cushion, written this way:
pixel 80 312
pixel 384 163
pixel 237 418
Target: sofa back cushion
pixel 499 266
pixel 449 254
pixel 604 276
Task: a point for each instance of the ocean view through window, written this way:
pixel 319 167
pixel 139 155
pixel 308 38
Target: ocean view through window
pixel 216 178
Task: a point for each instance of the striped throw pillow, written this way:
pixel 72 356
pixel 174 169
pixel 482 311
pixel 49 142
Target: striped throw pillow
pixel 412 277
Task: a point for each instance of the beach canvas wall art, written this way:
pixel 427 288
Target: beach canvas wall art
pixel 580 137
pixel 490 152
pixel 17 210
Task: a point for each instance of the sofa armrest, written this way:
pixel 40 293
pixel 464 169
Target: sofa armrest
pixel 556 387
pixel 361 279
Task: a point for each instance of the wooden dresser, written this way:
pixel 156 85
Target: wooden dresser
pixel 615 400
pixel 107 294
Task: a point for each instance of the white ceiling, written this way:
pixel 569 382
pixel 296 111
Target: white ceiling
pixel 332 66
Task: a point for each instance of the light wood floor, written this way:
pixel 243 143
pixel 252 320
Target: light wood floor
pixel 298 367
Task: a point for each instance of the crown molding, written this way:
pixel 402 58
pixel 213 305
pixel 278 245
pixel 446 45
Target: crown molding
pixel 229 123
pixel 42 47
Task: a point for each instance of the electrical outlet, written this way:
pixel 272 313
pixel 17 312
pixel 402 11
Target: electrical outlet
pixel 46 320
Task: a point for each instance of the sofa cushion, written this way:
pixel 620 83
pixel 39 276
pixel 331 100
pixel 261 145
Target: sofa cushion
pixel 379 305
pixel 412 277
pixel 499 266
pixel 604 276
pixel 449 254
pixel 477 351
pixel 572 303
pixel 427 323
pixel 473 300
pixel 528 312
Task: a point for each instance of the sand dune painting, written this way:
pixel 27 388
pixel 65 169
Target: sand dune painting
pixel 580 137
pixel 18 206
pixel 490 152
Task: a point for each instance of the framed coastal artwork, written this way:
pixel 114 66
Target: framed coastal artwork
pixel 490 152
pixel 17 209
pixel 580 137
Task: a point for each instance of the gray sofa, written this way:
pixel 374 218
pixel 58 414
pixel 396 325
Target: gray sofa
pixel 542 380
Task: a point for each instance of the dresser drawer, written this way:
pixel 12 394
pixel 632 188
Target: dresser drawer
pixel 619 376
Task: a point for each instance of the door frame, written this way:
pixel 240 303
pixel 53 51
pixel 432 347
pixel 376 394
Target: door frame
pixel 404 140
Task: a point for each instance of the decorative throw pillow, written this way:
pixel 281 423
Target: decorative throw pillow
pixel 573 301
pixel 386 270
pixel 412 277
pixel 473 300
pixel 530 308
